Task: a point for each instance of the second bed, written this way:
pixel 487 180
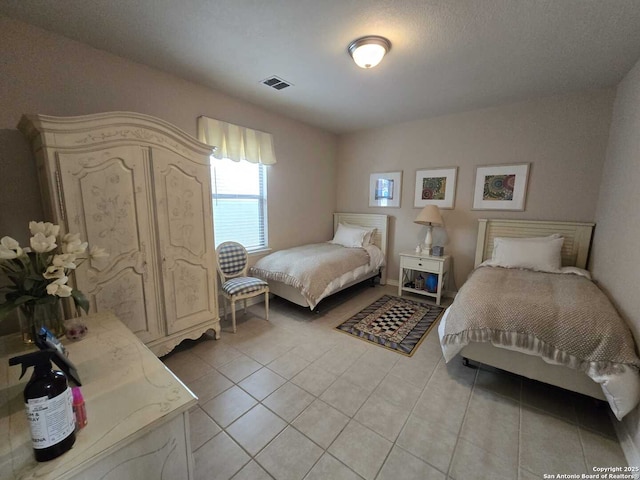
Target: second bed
pixel 531 309
pixel 307 274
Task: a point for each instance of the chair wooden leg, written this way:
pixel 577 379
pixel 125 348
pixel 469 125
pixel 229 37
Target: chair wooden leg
pixel 266 306
pixel 224 307
pixel 245 307
pixel 233 315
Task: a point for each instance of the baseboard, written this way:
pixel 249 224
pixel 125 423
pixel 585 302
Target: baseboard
pixel 629 448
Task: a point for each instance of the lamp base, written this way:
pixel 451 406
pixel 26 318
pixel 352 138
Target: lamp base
pixel 428 241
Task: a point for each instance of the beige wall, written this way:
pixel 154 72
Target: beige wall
pixel 563 138
pixel 45 73
pixel 615 258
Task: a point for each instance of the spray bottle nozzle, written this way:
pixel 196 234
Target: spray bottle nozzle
pixel 34 359
pixel 45 357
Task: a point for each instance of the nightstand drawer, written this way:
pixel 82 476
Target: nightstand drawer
pixel 421 264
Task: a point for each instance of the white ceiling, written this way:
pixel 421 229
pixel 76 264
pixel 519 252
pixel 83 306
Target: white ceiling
pixel 447 55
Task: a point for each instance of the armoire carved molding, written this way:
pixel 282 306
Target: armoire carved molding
pixel 140 188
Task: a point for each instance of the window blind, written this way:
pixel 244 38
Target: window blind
pixel 239 203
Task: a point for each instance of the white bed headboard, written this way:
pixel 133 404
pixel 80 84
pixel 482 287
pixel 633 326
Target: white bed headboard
pixel 380 239
pixel 575 249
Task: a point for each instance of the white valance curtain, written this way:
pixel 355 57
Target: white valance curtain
pixel 235 142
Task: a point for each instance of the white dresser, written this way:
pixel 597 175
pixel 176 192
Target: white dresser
pixel 140 188
pixel 137 410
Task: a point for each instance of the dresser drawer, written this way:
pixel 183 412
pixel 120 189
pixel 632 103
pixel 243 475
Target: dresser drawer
pixel 423 264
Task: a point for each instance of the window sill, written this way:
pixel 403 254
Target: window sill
pixel 259 252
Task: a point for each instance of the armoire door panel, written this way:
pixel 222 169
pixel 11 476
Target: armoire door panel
pixel 107 201
pixel 185 239
pixel 108 195
pixel 124 294
pixel 189 282
pixel 184 210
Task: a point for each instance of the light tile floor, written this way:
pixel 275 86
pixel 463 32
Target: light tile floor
pixel 295 399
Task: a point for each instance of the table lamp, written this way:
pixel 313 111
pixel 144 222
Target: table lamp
pixel 429 216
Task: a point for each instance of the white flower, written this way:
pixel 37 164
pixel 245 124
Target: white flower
pixel 7 254
pixel 9 249
pixel 98 252
pixel 66 260
pixel 10 243
pixel 46 228
pixel 59 288
pixel 53 272
pixel 76 247
pixel 72 244
pixel 71 237
pixel 42 244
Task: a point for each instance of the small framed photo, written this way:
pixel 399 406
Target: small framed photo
pixel 436 187
pixel 385 189
pixel 501 187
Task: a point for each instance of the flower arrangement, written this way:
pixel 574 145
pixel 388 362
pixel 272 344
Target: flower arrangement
pixel 39 274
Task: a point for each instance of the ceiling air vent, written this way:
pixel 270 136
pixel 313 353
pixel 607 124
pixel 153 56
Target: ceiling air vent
pixel 276 82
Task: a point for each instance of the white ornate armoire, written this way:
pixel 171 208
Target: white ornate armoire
pixel 140 188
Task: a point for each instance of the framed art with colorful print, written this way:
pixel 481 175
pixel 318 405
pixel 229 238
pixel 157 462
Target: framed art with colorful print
pixel 501 187
pixel 436 187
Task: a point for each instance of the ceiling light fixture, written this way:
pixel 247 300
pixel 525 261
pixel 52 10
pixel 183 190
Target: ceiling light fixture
pixel 368 51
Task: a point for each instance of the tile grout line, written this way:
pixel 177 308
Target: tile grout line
pixel 464 417
pixel 324 450
pixel 394 443
pixel 584 452
pixel 520 395
pixel 368 397
pixel 253 457
pixel 289 424
pixel 237 384
pixel 349 417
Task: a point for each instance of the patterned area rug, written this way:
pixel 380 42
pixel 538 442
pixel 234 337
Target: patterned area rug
pixel 393 322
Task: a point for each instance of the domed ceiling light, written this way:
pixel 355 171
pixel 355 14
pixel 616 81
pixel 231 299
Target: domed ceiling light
pixel 368 51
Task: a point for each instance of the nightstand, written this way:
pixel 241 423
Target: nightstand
pixel 411 264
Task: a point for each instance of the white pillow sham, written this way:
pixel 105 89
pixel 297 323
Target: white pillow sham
pixel 369 237
pixel 348 236
pixel 542 254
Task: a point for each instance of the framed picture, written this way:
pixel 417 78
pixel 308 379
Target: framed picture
pixel 385 189
pixel 436 187
pixel 501 187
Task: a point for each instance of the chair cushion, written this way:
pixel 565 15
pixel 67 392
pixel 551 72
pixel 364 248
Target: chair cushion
pixel 232 258
pixel 238 285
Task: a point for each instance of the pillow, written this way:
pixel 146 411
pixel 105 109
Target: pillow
pixel 349 236
pixel 369 237
pixel 539 253
pixel 522 239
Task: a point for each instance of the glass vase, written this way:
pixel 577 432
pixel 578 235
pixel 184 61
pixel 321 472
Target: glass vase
pixel 32 317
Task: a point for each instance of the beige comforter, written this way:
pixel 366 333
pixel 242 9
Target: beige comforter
pixel 310 268
pixel 565 318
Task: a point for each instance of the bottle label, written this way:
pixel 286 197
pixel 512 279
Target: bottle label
pixel 51 419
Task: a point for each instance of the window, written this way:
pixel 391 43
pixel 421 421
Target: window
pixel 239 202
